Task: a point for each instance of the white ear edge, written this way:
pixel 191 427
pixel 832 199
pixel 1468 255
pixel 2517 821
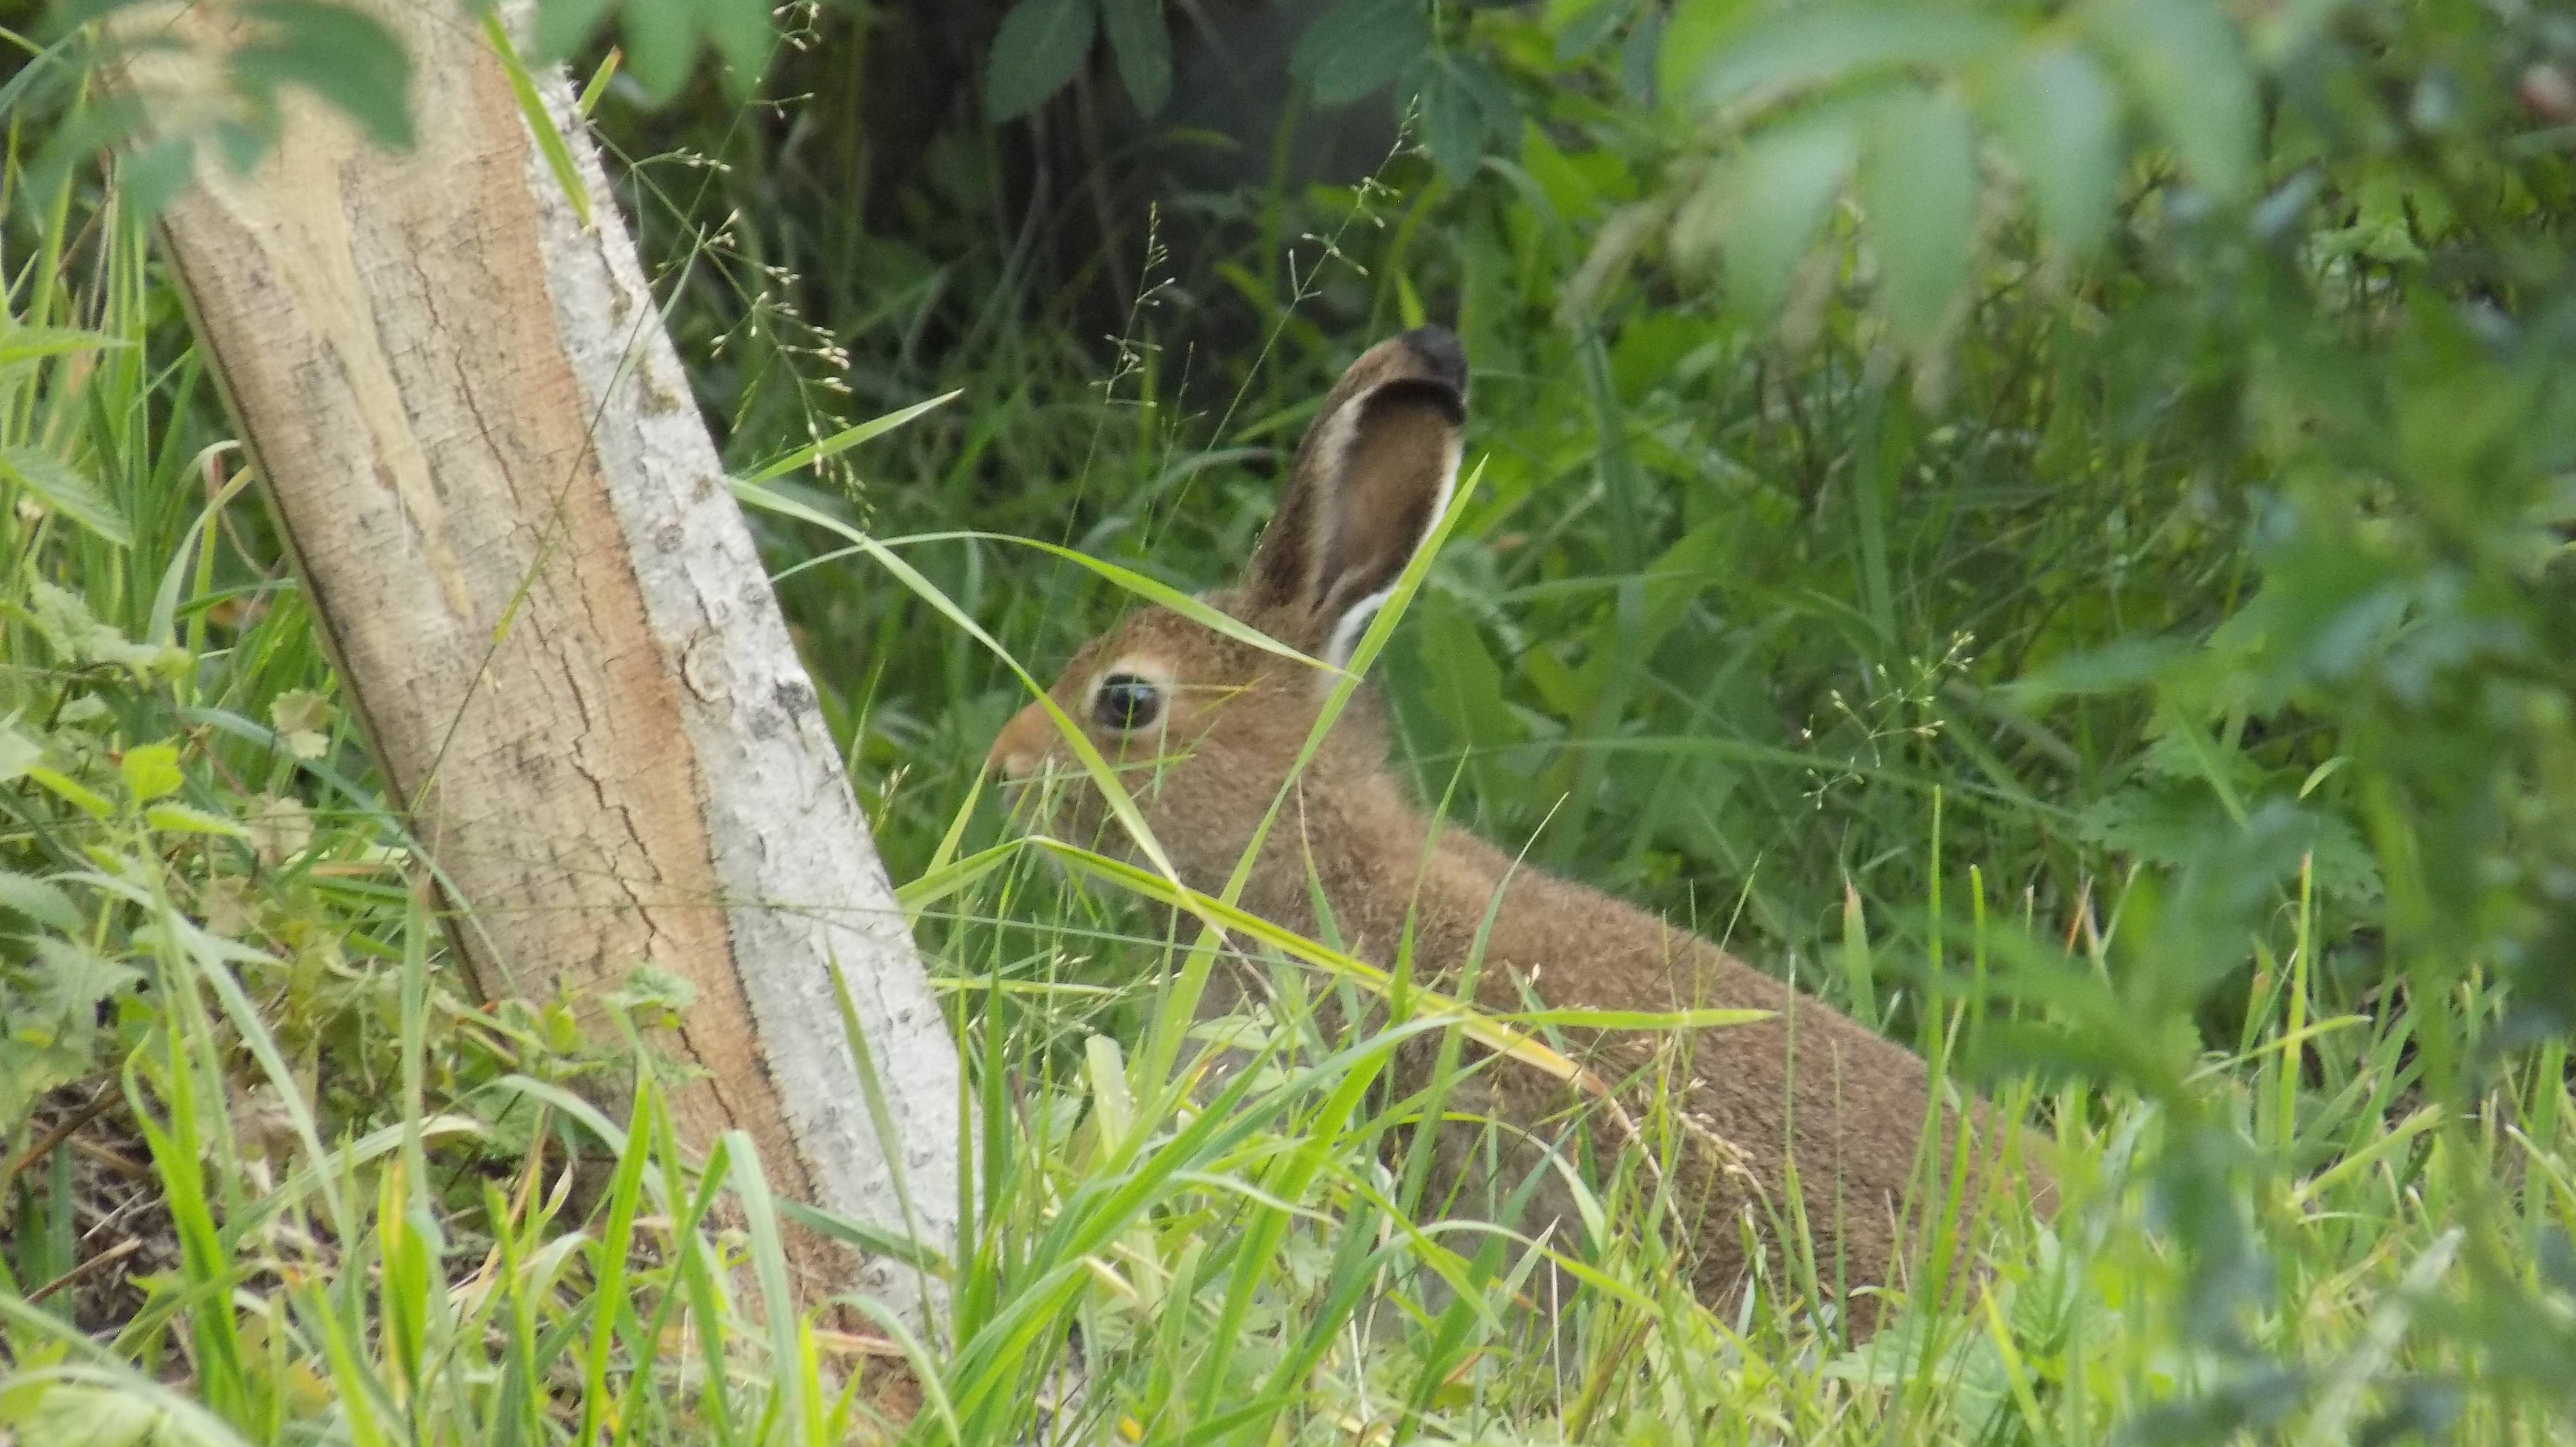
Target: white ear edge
pixel 1339 432
pixel 1355 619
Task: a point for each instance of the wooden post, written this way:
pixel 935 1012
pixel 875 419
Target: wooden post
pixel 548 613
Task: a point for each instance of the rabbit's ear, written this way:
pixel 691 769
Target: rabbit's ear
pixel 1373 474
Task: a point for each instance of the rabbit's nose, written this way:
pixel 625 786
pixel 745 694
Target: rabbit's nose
pixel 1021 745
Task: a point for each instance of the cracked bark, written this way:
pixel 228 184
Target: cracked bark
pixel 550 620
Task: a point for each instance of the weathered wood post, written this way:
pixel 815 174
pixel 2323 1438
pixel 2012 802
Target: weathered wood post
pixel 549 616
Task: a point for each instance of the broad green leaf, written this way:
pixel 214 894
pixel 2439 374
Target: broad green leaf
pixel 562 25
pixel 1769 203
pixel 151 770
pixel 1584 33
pixel 18 754
pixel 1464 106
pixel 151 175
pixel 662 39
pixel 1641 56
pixel 340 54
pixel 64 491
pixel 1826 43
pixel 303 722
pixel 39 901
pixel 87 1414
pixel 1859 967
pixel 62 786
pixel 2280 29
pixel 1918 193
pixel 1041 45
pixel 1449 123
pixel 1461 680
pixel 63 620
pixel 1143 48
pixel 739 31
pixel 658 46
pixel 1357 46
pixel 180 819
pixel 1695 32
pixel 2058 118
pixel 2187 64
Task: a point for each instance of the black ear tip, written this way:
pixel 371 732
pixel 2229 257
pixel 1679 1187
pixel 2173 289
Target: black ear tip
pixel 1439 350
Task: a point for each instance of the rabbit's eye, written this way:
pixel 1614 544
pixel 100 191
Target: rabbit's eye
pixel 1124 703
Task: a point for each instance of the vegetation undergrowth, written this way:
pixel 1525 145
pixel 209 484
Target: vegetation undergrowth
pixel 2148 695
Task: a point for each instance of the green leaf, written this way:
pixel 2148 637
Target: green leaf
pixel 597 86
pixel 71 791
pixel 339 54
pixel 1042 44
pixel 662 39
pixel 740 32
pixel 1764 210
pixel 151 770
pixel 659 46
pixel 151 176
pixel 303 722
pixel 562 25
pixel 1459 679
pixel 88 1414
pixel 1918 192
pixel 1584 33
pixel 1449 125
pixel 180 819
pixel 38 901
pixel 1694 35
pixel 2187 64
pixel 18 754
pixel 1858 966
pixel 2058 118
pixel 1819 44
pixel 1358 46
pixel 1143 48
pixel 1464 105
pixel 64 491
pixel 1641 57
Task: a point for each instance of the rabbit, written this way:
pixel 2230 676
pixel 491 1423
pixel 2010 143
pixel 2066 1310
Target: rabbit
pixel 1204 729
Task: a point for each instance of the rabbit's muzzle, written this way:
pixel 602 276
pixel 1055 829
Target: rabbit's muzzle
pixel 1019 751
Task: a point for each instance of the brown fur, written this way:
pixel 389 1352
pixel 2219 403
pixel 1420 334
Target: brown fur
pixel 1807 1089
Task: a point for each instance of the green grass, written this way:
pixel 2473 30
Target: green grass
pixel 1731 630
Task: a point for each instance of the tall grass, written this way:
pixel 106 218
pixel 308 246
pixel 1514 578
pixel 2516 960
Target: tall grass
pixel 1722 628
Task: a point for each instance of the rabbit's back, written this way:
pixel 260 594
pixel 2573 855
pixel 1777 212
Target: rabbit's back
pixel 1800 1130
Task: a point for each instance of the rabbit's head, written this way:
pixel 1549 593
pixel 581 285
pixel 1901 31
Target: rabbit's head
pixel 1202 727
